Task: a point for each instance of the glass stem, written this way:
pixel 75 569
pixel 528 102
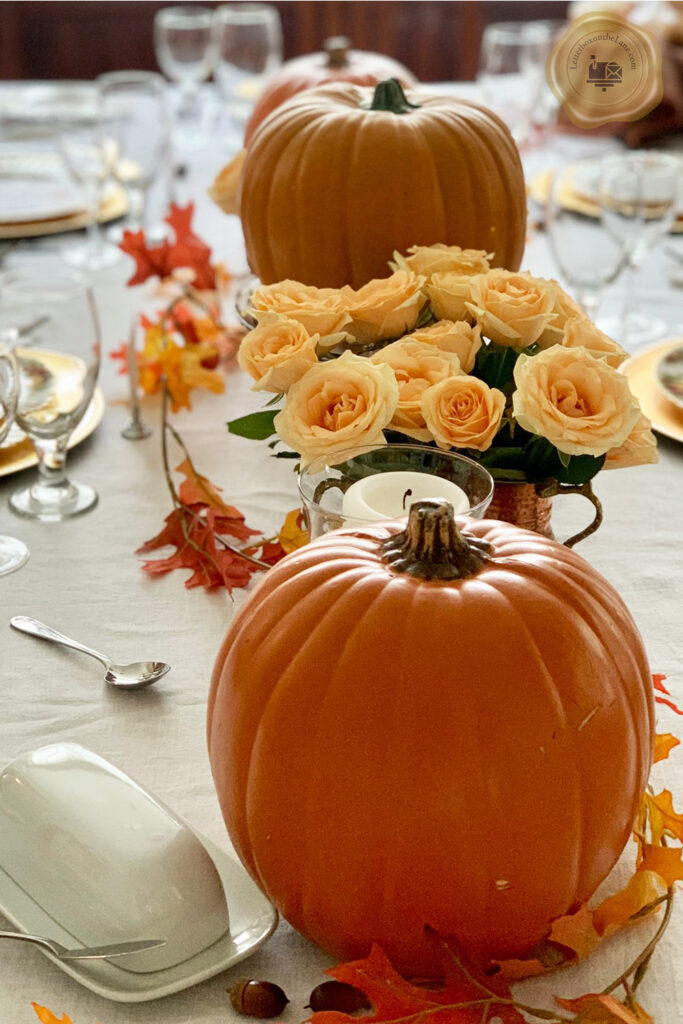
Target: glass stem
pixel 589 300
pixel 93 229
pixel 137 203
pixel 629 303
pixel 51 462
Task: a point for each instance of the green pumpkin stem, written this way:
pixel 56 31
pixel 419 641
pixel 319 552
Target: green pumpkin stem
pixel 389 95
pixel 432 547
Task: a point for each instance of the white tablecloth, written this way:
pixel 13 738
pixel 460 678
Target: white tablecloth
pixel 84 578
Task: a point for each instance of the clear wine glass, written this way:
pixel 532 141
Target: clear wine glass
pixel 511 71
pixel 587 254
pixel 639 197
pixel 13 552
pixel 135 118
pixel 56 383
pixel 184 49
pixel 248 47
pixel 89 157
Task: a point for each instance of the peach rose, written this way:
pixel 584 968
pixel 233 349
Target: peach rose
pixel 565 308
pixel 639 448
pixel 460 337
pixel 338 404
pixel 512 309
pixel 463 412
pixel 320 310
pixel 432 259
pixel 277 352
pixel 577 402
pixel 386 307
pixel 416 367
pixel 448 292
pixel 583 333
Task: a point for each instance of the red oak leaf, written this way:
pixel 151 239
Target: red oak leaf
pixel 188 250
pixel 658 683
pixel 463 999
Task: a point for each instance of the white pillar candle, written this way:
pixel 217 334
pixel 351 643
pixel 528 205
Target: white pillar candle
pixel 390 495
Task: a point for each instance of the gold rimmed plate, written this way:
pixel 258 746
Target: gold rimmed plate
pixel 656 402
pixel 21 455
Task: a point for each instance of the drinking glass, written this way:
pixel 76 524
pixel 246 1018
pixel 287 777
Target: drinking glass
pixel 587 254
pixel 89 157
pixel 639 196
pixel 135 118
pixel 13 552
pixel 511 71
pixel 56 383
pixel 324 481
pixel 248 46
pixel 184 50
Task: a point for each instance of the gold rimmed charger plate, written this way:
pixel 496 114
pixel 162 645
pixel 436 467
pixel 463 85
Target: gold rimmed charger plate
pixel 113 206
pixel 641 370
pixel 22 455
pixel 572 199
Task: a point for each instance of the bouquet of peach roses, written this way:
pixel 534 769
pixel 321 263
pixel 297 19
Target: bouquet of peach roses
pixel 503 367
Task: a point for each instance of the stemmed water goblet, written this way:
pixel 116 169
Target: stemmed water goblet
pixel 511 71
pixel 587 254
pixel 639 197
pixel 13 552
pixel 132 106
pixel 248 47
pixel 184 49
pixel 89 157
pixel 56 383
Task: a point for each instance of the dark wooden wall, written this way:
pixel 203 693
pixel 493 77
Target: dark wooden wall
pixel 438 41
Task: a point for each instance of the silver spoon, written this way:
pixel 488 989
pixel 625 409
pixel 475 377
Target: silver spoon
pixel 130 677
pixel 85 952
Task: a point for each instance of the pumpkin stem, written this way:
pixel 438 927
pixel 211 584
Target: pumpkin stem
pixel 337 50
pixel 432 547
pixel 389 95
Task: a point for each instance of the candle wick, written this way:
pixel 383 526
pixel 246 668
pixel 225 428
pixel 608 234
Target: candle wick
pixel 409 491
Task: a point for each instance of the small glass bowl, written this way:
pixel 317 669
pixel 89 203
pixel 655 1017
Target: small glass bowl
pixel 323 481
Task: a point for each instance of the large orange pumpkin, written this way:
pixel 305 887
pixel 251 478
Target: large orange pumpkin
pixel 338 178
pixel 337 63
pixel 430 727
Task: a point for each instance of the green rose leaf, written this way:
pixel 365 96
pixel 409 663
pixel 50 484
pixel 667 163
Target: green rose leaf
pixel 257 426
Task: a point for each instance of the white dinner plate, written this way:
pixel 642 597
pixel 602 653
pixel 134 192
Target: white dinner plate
pixel 23 199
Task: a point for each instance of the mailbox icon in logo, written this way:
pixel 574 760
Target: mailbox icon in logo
pixel 603 73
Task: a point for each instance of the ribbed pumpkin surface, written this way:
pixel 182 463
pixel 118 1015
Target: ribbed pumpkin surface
pixel 390 752
pixel 330 189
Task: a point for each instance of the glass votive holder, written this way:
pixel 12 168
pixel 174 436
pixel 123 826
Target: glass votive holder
pixel 324 484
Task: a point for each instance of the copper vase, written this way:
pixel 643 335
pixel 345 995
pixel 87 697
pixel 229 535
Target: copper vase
pixel 521 505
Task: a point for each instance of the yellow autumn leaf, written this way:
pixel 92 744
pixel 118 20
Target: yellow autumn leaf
pixel 664 744
pixel 576 932
pixel 293 534
pixel 46 1016
pixel 664 819
pixel 615 911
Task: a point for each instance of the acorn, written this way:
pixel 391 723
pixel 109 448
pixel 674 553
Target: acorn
pixel 258 998
pixel 337 995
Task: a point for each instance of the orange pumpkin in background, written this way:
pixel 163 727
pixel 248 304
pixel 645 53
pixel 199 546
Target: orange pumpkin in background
pixel 337 63
pixel 435 726
pixel 338 178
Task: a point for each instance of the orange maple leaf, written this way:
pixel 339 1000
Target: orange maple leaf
pixel 664 861
pixel 664 744
pixel 46 1016
pixel 642 889
pixel 658 683
pixel 605 1009
pixel 576 932
pixel 664 820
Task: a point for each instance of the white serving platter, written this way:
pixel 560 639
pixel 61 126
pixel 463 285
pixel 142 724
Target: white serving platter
pixel 251 918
